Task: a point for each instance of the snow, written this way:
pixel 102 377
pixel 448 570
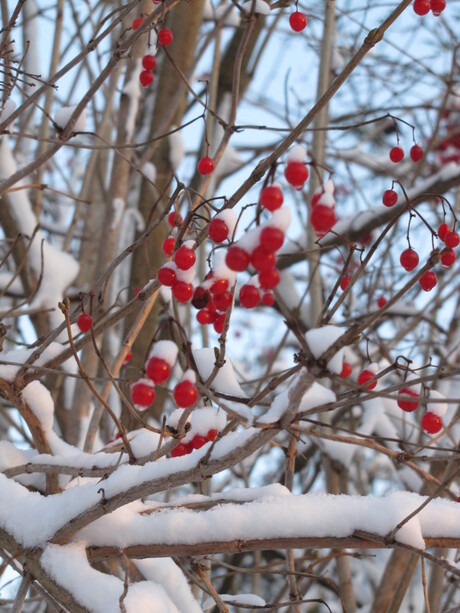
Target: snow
pixel 41 403
pixel 64 114
pixel 248 600
pixel 189 375
pixel 9 107
pixel 327 199
pixel 230 218
pixel 18 357
pixel 176 148
pixel 225 381
pixel 133 90
pixel 166 350
pixel 149 171
pixel 260 7
pixel 320 339
pixel 143 442
pixel 297 153
pixel 281 218
pixel 438 408
pixel 220 268
pixel 118 206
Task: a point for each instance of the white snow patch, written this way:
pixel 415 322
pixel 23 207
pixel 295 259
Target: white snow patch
pixel 40 402
pixel 225 381
pixel 320 339
pixel 64 114
pixel 260 7
pixel 166 350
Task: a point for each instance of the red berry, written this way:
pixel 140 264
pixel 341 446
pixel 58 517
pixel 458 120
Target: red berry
pixel 437 7
pixel 346 370
pixel 271 239
pixel 137 23
pixel 180 449
pixel 421 7
pixel 128 357
pixel 407 405
pixel 218 230
pixel 381 302
pixel 204 317
pixel 182 291
pixel 165 37
pixel 431 423
pixel 409 259
pixel 271 197
pixel 200 298
pixel 168 246
pixel 223 301
pixel 452 239
pixel 84 322
pixel 297 21
pixel 269 279
pixel 390 197
pixel 428 281
pixel 262 260
pixel 364 377
pixel 219 322
pixel 185 394
pixel 249 296
pixel 236 258
pixel 198 441
pixel 219 287
pixel 416 153
pixel 443 231
pixel 143 394
pixel 396 154
pixel 174 219
pixel 448 258
pixel 322 218
pixel 268 299
pixel 149 62
pixel 212 435
pixel 166 276
pixel 206 166
pixel 344 283
pixel 146 78
pixel 157 369
pixel 184 258
pixel 296 174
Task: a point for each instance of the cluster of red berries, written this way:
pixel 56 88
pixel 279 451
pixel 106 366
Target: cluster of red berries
pixel 195 443
pixel 179 274
pixel 148 64
pixel 297 21
pixel 322 209
pixel 422 7
pixel 212 299
pixel 397 154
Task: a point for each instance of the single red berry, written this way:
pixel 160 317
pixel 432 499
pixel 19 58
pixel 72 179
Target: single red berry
pixel 236 258
pixel 296 174
pixel 128 357
pixel 206 166
pixel 137 23
pixel 212 435
pixel 269 279
pixel 249 296
pixel 219 287
pixel 344 283
pixel 143 394
pixel 381 302
pixel 184 258
pixel 448 258
pixel 428 281
pixel 174 219
pixel 146 78
pixel 364 377
pixel 84 322
pixel 452 240
pixel 157 369
pixel 200 298
pixel 271 239
pixel 262 260
pixel 185 394
pixel 322 218
pixel 297 21
pixel 421 7
pixel 390 197
pixel 204 317
pixel 182 291
pixel 218 230
pixel 416 153
pixel 396 154
pixel 271 197
pixel 437 7
pixel 443 231
pixel 166 276
pixel 268 299
pixel 346 370
pixel 223 301
pixel 180 450
pixel 407 405
pixel 168 246
pixel 431 423
pixel 165 37
pixel 198 441
pixel 149 62
pixel 219 322
pixel 409 259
